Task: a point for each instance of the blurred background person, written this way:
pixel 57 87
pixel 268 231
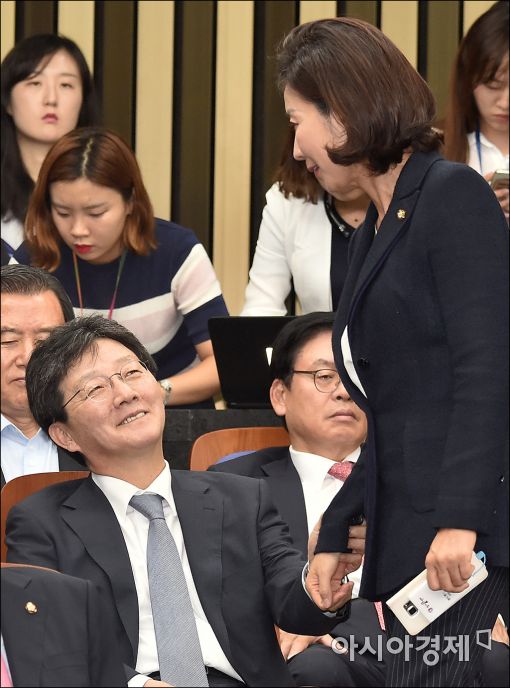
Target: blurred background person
pixel 56 631
pixel 476 127
pixel 90 221
pixel 47 90
pixel 303 241
pixel 32 303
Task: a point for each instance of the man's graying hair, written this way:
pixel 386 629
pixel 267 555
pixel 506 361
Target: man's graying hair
pixel 55 356
pixel 25 280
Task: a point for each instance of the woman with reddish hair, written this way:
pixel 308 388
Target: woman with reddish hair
pixel 90 222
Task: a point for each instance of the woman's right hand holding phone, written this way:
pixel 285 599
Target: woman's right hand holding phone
pixel 500 189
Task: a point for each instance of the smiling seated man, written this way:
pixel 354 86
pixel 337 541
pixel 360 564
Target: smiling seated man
pixel 326 429
pixel 197 591
pixel 32 303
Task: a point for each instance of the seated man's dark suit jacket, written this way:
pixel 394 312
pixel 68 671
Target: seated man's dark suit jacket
pixel 247 574
pixel 68 641
pixel 275 466
pixel 67 461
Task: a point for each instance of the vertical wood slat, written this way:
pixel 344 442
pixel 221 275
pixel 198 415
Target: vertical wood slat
pixel 36 16
pixel 114 63
pixel 269 129
pixel 76 21
pixel 442 44
pixel 368 10
pixel 233 148
pixel 472 10
pixel 193 136
pixel 154 99
pixel 7 26
pixel 399 21
pixel 310 10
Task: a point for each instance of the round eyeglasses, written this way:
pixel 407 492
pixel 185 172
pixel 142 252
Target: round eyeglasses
pixel 99 388
pixel 325 379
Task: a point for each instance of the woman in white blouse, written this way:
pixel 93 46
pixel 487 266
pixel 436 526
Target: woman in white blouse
pixel 303 241
pixel 476 128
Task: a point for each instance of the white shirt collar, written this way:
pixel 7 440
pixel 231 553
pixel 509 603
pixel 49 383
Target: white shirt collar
pixel 119 492
pixel 6 423
pixel 313 469
pixel 484 141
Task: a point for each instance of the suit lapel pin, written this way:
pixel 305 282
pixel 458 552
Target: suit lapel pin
pixel 31 608
pixel 401 214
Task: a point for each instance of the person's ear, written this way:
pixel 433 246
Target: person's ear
pixel 61 436
pixel 278 394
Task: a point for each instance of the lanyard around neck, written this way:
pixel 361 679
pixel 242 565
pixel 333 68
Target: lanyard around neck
pixel 478 147
pixel 115 290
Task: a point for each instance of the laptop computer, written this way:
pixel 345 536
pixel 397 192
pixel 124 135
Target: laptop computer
pixel 242 349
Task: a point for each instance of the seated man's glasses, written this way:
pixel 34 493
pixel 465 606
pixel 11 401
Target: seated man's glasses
pixel 325 380
pixel 100 388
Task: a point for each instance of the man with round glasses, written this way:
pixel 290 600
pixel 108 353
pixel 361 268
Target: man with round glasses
pixel 326 430
pixel 185 555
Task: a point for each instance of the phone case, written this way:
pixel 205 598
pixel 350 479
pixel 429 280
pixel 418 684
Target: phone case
pixel 416 605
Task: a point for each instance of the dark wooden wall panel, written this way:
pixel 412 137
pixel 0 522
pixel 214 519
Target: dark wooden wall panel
pixel 114 64
pixel 443 30
pixel 193 122
pixel 269 130
pixel 368 10
pixel 36 16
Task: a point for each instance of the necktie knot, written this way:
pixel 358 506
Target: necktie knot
pixel 150 505
pixel 341 470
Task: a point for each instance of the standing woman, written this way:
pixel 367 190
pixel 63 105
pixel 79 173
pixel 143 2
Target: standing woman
pixel 420 338
pixel 47 90
pixel 476 128
pixel 90 222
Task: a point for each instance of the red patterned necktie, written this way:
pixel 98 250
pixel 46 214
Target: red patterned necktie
pixel 341 470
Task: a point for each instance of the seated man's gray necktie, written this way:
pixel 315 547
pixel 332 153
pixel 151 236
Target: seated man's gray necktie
pixel 180 657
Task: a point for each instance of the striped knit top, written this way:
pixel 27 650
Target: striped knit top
pixel 165 298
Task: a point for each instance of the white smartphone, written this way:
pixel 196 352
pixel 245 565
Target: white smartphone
pixel 500 179
pixel 416 605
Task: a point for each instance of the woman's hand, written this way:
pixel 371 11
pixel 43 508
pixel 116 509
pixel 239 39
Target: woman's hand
pixel 502 194
pixel 448 561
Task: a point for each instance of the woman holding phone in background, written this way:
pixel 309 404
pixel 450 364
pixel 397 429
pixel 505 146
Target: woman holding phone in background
pixel 476 128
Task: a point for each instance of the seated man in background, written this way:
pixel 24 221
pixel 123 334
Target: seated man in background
pixel 56 631
pixel 326 429
pixel 32 303
pixel 200 566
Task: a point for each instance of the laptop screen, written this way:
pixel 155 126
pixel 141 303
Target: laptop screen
pixel 242 349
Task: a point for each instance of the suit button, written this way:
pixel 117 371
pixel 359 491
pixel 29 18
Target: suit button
pixel 501 478
pixel 363 363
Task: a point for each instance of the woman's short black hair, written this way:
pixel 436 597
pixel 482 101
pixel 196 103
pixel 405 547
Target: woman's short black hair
pixel 357 77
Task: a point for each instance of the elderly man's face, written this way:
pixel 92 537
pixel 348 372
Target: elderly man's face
pixel 328 424
pixel 25 320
